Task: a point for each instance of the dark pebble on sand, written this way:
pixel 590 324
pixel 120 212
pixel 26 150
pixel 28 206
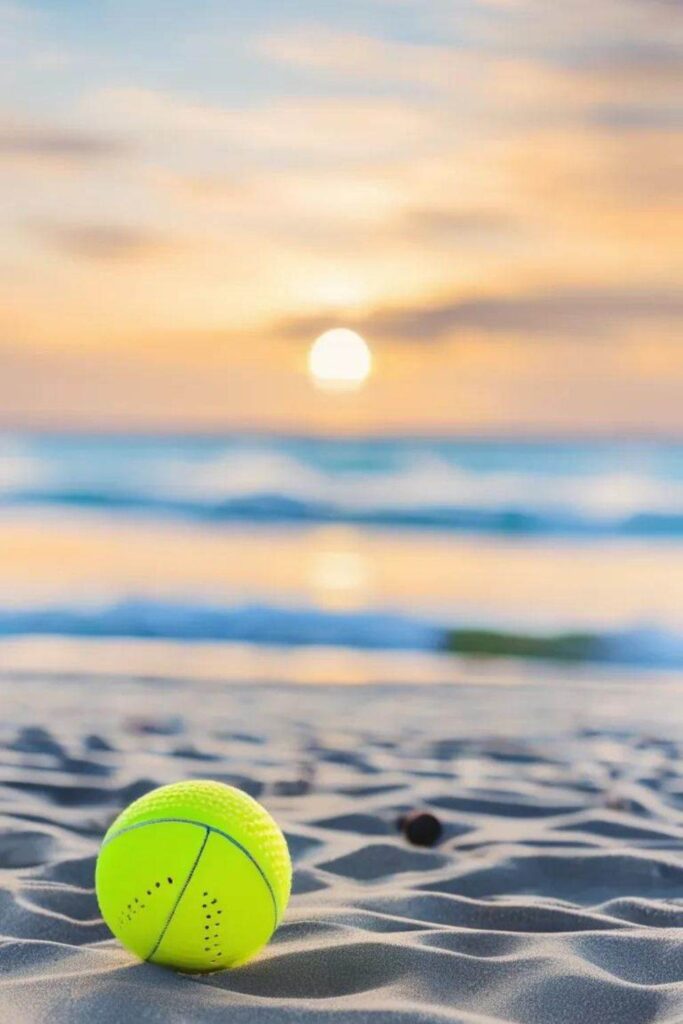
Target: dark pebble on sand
pixel 421 828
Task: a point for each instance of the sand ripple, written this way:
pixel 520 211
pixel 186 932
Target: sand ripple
pixel 555 897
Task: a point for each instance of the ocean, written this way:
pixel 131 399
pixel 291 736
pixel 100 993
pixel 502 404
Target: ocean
pixel 388 551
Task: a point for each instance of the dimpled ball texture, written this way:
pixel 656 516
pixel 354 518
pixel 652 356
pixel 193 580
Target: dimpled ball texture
pixel 194 876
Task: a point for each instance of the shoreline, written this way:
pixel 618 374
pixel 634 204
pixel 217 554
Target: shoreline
pixel 196 662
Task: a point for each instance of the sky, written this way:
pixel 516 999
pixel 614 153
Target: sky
pixel 487 190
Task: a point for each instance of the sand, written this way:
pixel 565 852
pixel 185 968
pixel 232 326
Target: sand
pixel 555 896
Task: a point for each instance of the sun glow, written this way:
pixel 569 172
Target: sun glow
pixel 339 360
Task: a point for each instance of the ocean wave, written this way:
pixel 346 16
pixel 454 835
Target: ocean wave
pixel 270 507
pixel 512 488
pixel 247 623
pixel 273 625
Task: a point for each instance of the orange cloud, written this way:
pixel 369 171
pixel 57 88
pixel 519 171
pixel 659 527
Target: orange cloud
pixel 105 241
pixel 46 144
pixel 587 313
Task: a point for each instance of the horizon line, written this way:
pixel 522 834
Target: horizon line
pixel 505 432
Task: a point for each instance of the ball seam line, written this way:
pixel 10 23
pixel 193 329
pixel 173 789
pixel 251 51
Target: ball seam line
pixel 209 828
pixel 180 895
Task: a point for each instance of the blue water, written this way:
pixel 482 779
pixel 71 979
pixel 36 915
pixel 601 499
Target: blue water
pixel 597 488
pixel 589 492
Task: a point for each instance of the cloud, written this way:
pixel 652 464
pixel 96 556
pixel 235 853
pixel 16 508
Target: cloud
pixel 578 313
pixel 613 85
pixel 306 125
pixel 104 241
pixel 437 223
pixel 36 142
pixel 318 48
pixel 621 117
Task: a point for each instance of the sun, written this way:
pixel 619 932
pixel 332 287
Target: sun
pixel 339 360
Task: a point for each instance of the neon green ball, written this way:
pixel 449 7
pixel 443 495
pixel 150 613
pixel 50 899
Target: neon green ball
pixel 195 876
